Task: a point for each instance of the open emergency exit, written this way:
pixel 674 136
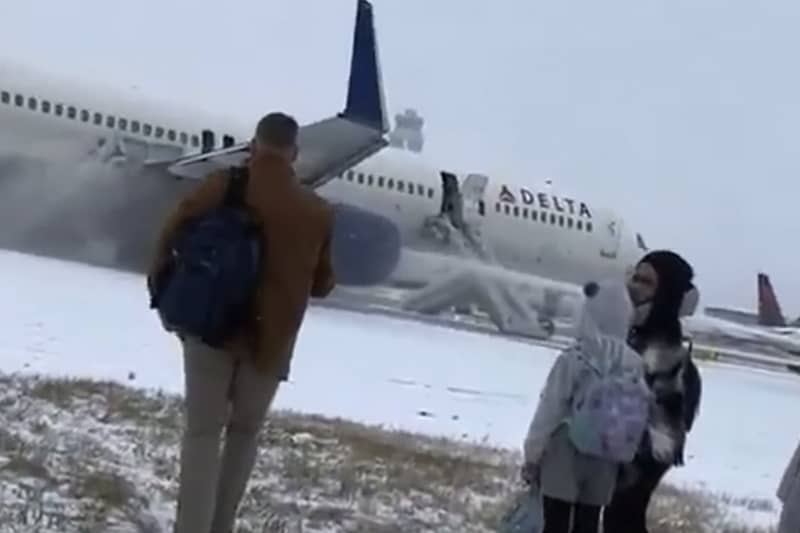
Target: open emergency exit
pixel 612 238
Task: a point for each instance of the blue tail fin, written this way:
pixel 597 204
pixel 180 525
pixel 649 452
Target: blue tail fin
pixel 365 96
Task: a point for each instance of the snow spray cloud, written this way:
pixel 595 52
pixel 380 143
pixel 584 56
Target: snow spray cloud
pixel 52 199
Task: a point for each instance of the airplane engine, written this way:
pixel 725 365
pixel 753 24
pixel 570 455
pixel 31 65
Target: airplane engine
pixel 366 246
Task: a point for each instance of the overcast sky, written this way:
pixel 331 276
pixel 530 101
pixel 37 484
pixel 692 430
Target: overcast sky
pixel 682 114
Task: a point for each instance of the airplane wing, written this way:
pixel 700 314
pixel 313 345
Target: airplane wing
pixel 717 327
pixel 332 145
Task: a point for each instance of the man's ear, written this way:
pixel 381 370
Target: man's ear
pixel 295 153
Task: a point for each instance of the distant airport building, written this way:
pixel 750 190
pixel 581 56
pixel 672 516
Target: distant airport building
pixel 407 132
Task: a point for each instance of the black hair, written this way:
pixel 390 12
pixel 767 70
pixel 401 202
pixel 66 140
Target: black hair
pixel 674 281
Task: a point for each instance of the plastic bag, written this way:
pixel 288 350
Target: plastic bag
pixel 526 514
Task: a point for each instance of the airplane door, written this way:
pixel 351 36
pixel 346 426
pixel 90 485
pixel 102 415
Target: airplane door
pixel 463 209
pixel 612 238
pixel 472 191
pixel 449 192
pixel 474 206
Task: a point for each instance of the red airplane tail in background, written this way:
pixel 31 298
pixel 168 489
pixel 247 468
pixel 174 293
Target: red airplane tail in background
pixel 769 310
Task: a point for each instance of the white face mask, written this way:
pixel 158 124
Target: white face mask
pixel 688 307
pixel 641 312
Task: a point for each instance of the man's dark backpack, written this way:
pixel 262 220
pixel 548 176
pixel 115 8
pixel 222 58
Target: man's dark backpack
pixel 206 289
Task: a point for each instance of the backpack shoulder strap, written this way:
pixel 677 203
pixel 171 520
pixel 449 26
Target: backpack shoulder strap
pixel 237 186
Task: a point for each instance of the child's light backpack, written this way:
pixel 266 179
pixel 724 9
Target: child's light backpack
pixel 611 415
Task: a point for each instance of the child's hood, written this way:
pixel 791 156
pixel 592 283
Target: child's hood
pixel 605 319
pixel 607 310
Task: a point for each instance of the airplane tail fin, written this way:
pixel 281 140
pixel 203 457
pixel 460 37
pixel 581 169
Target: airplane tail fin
pixel 769 310
pixel 366 101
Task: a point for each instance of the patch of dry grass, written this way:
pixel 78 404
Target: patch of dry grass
pixel 684 511
pixel 105 449
pixel 122 404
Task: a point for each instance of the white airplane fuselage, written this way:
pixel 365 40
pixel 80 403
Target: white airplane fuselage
pixel 530 231
pixel 42 112
pixel 533 235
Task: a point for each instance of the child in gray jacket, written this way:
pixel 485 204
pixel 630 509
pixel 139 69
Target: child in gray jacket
pixel 574 484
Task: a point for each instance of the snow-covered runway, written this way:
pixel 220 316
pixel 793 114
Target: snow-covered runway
pixel 66 319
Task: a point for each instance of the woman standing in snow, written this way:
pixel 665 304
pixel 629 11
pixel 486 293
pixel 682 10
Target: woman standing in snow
pixel 662 290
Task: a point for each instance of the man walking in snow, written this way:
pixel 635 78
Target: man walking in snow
pixel 233 387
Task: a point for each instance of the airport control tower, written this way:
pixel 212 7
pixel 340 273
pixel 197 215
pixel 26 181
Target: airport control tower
pixel 407 132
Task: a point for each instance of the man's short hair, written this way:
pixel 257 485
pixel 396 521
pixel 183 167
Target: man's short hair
pixel 278 130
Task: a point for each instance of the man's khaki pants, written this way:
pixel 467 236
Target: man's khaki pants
pixel 222 390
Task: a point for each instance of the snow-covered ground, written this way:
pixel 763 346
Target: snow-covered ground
pixel 66 319
pixel 81 455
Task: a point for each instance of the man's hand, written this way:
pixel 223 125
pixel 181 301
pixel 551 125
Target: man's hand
pixel 530 473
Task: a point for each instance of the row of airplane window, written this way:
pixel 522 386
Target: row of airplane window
pixel 99 119
pixel 389 183
pixel 421 190
pixel 554 219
